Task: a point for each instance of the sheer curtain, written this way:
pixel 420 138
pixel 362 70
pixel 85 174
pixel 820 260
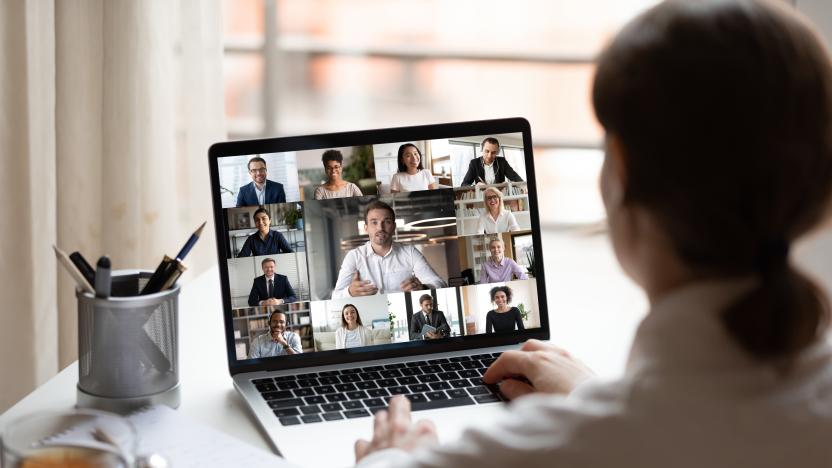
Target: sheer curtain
pixel 108 110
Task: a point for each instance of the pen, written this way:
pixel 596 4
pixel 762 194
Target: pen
pixel 191 241
pixel 168 266
pixel 80 281
pixel 85 268
pixel 103 281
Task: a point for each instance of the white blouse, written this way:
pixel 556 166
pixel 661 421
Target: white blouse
pixel 690 398
pixel 404 182
pixel 505 222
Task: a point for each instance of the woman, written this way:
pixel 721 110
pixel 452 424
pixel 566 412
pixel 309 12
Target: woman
pixel 264 241
pixel 502 318
pixel 718 117
pixel 351 333
pixel 495 218
pixel 411 176
pixel 335 186
pixel 497 268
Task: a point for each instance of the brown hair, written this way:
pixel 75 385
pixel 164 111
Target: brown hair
pixel 357 315
pixel 724 113
pixel 378 205
pixel 507 290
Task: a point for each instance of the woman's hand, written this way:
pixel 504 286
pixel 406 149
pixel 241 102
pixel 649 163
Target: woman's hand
pixel 544 367
pixel 394 429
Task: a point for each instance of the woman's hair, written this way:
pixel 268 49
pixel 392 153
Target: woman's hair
pixel 504 289
pixel 261 210
pixel 495 191
pixel 724 114
pixel 357 315
pixel 332 155
pixel 402 167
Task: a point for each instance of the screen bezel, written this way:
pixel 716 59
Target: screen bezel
pixel 366 137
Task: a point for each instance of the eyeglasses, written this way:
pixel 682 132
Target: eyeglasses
pixel 492 197
pixel 333 168
pixel 262 170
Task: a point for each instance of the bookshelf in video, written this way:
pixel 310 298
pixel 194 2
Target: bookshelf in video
pixel 377 244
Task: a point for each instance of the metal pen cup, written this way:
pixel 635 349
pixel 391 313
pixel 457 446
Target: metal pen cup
pixel 128 346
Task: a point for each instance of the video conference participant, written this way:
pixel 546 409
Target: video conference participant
pixel 428 316
pixel 502 318
pixel 497 268
pixel 264 241
pixel 270 288
pixel 351 333
pixel 277 341
pixel 335 186
pixel 382 265
pixel 260 191
pixel 495 218
pixel 412 175
pixel 488 168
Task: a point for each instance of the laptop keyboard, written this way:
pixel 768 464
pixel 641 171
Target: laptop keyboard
pixel 357 393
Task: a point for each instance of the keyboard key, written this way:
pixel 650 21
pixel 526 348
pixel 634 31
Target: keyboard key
pixel 439 385
pixel 308 375
pixel 345 387
pixel 431 369
pixel 416 364
pixel 328 373
pixel 398 390
pixel 302 392
pixel 374 403
pixel 457 393
pixel 336 397
pixel 411 371
pixel 453 366
pixel 286 412
pixel 290 421
pixel 481 371
pixel 416 398
pixel 358 413
pixel 446 403
pixel 288 385
pixel 487 362
pixel 311 418
pixel 308 383
pixel 428 378
pixel 350 378
pixel 325 389
pixel 262 381
pixel 439 361
pixel 333 416
pixel 357 395
pixel 496 355
pixel 398 365
pixel 419 388
pixel 331 407
pixel 468 373
pixel 377 392
pixel 377 409
pixel 278 395
pixel 285 378
pixel 460 358
pixel 436 395
pixel 470 365
pixel 311 409
pixel 349 405
pixel 314 400
pixel 461 383
pixel 481 356
pixel 407 380
pixel 265 387
pixel 477 381
pixel 366 385
pixel 487 398
pixel 390 373
pixel 372 368
pixel 448 376
pixel 479 390
pixel 370 376
pixel 331 380
pixel 387 383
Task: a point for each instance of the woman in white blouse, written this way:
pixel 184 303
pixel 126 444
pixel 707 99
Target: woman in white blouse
pixel 351 333
pixel 412 175
pixel 335 186
pixel 718 116
pixel 495 217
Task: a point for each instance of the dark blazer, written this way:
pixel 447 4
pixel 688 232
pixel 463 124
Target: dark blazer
pixel 247 196
pixel 437 321
pixel 502 171
pixel 282 290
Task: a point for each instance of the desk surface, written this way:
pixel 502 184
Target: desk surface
pixel 593 313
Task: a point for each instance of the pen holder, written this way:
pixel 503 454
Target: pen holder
pixel 127 346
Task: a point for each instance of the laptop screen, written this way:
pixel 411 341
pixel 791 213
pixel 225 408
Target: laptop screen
pixel 335 246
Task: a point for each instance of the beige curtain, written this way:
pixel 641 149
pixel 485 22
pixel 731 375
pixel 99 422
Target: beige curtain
pixel 108 110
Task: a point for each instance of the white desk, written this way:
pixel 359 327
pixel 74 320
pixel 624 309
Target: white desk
pixel 593 313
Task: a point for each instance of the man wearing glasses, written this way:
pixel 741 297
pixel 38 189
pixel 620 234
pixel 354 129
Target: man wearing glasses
pixel 260 191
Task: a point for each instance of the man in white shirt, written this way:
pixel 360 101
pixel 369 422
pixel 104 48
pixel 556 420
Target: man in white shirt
pixel 381 265
pixel 277 341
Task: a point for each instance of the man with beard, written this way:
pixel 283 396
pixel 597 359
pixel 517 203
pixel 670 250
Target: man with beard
pixel 278 341
pixel 381 265
pixel 260 191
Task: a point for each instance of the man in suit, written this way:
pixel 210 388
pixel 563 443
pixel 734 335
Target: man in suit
pixel 260 190
pixel 271 288
pixel 488 168
pixel 428 316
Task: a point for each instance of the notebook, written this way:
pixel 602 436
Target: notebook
pixel 331 245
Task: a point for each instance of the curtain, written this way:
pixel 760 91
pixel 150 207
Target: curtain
pixel 108 110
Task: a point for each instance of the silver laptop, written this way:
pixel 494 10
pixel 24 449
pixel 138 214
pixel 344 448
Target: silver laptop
pixel 362 265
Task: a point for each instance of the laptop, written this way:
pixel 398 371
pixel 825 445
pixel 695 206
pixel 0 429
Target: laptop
pixel 358 266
